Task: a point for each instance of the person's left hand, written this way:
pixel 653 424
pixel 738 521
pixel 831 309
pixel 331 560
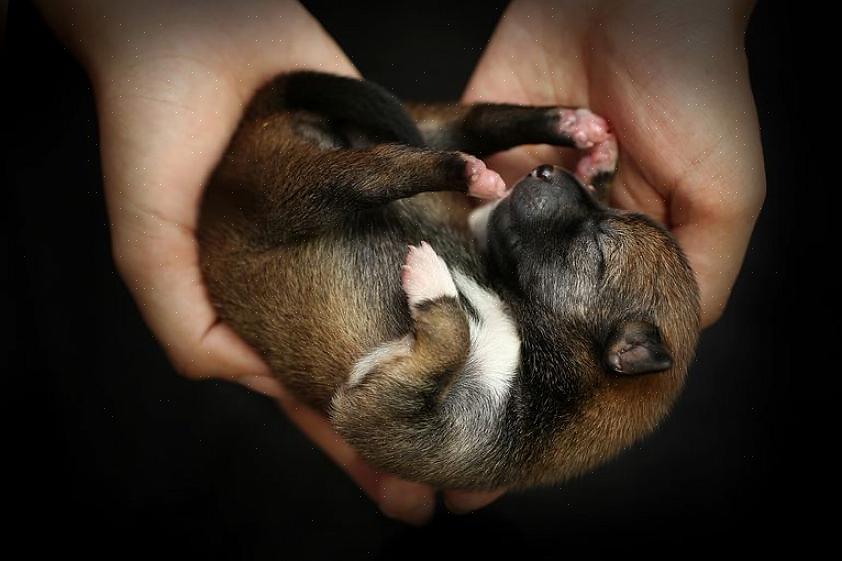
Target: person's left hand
pixel 171 81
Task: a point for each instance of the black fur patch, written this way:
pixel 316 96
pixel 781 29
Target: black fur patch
pixel 364 104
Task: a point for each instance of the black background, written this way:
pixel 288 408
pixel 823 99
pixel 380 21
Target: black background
pixel 112 453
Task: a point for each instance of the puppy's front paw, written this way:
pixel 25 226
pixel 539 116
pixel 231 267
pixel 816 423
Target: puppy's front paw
pixel 483 183
pixel 425 276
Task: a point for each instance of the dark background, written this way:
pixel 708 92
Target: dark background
pixel 112 453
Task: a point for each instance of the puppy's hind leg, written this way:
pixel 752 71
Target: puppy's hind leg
pixel 390 409
pixel 301 192
pixel 486 128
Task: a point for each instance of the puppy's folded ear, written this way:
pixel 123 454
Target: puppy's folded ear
pixel 636 347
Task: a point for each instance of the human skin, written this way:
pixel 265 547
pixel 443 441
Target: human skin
pixel 171 80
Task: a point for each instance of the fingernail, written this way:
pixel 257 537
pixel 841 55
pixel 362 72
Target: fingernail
pixel 408 502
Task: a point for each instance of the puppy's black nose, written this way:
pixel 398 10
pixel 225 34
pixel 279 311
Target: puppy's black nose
pixel 558 176
pixel 545 172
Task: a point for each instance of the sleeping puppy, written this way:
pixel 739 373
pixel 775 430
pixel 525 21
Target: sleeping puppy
pixel 517 344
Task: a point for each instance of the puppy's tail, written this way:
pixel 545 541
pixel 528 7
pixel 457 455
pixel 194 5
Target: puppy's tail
pixel 359 103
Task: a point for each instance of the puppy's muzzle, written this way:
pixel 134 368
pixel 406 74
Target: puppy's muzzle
pixel 547 191
pixel 555 175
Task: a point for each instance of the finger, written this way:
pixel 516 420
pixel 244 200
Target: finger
pixel 266 385
pixel 318 429
pixel 164 124
pixel 715 245
pixel 407 501
pixel 463 502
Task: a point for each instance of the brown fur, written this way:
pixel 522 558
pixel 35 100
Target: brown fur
pixel 302 243
pixel 645 264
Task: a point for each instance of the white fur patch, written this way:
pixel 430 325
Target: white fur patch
pixel 425 276
pixel 478 223
pixel 495 343
pixel 480 391
pixel 382 353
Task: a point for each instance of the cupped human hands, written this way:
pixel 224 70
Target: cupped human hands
pixel 172 78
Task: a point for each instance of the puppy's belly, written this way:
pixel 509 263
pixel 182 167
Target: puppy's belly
pixel 313 309
pixel 321 308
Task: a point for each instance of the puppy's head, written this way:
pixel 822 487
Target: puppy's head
pixel 610 300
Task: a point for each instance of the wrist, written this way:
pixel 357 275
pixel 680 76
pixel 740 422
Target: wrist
pixel 244 44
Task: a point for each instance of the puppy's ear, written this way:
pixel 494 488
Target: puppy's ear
pixel 636 348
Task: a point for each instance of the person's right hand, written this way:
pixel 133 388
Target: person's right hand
pixel 171 80
pixel 671 79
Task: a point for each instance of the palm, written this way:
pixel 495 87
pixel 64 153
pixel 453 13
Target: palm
pixel 674 90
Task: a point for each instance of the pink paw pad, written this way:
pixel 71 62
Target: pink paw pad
pixel 425 276
pixel 582 126
pixel 483 183
pixel 602 158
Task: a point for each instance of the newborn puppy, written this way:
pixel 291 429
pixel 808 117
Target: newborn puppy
pixel 514 345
